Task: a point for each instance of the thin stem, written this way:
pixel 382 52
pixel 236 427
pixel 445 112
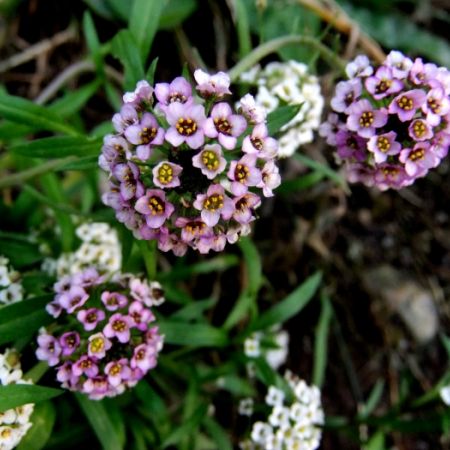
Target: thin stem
pixel 149 254
pixel 267 48
pixel 20 177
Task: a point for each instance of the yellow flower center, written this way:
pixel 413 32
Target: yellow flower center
pixel 366 119
pixel 419 128
pixel 405 103
pixel 97 345
pixel 210 160
pixel 222 125
pixel 417 155
pixel 213 202
pixel 147 135
pixel 165 174
pixel 383 144
pixel 241 173
pixel 156 206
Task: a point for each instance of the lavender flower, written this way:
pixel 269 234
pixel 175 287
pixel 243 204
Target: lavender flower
pixel 391 127
pixel 115 344
pixel 168 177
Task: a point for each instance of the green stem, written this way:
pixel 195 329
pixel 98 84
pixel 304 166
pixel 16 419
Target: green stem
pixel 269 47
pixel 20 177
pixel 148 252
pixel 36 372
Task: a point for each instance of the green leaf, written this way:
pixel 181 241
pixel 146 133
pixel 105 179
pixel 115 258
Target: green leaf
pixel 150 75
pixel 82 163
pixel 125 49
pixel 43 419
pixel 217 433
pixel 58 147
pixel 243 29
pixel 20 253
pixel 373 400
pixel 376 442
pixel 98 416
pixel 23 318
pixel 300 183
pixel 176 12
pixel 13 395
pixel 290 306
pixel 93 42
pixel 187 427
pixel 321 342
pixel 192 335
pixel 25 112
pixel 143 24
pixel 281 116
pixel 193 310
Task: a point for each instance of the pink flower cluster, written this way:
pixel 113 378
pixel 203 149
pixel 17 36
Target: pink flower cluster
pixel 187 170
pixel 105 342
pixel 391 124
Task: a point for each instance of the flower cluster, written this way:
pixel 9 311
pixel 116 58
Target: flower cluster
pixel 294 421
pixel 289 83
pixel 391 123
pixel 15 422
pixel 11 289
pixel 271 344
pixel 105 342
pixel 187 170
pixel 100 247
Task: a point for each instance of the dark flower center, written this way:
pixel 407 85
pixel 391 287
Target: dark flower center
pixel 156 206
pixel 383 144
pixel 417 154
pixel 222 125
pixel 213 202
pixel 241 173
pixel 366 119
pixel 186 127
pixel 405 103
pixel 147 135
pixel 257 143
pixel 383 86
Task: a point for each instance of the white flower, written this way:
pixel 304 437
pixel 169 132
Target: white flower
pixel 445 394
pixel 274 396
pixel 277 356
pixel 359 67
pixel 252 346
pixel 279 417
pixel 15 422
pixel 261 432
pixel 11 290
pixel 266 99
pixel 245 407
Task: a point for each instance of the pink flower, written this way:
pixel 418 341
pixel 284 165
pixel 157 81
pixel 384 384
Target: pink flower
pixel 224 125
pixel 98 345
pixel 384 145
pixel 244 173
pixel 244 206
pixel 144 357
pixel 260 143
pixel 418 159
pixel 213 205
pixel 166 174
pixel 192 228
pixel 254 113
pixel 364 119
pixel 113 300
pixel 142 93
pixel 118 327
pixel 212 85
pixel 270 178
pixel 154 207
pixel 186 122
pixel 406 104
pixel 210 161
pixel 179 90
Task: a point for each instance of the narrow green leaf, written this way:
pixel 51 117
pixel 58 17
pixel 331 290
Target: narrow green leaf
pixel 25 112
pixel 120 8
pixel 193 310
pixel 58 147
pixel 125 49
pixel 192 335
pixel 376 442
pixel 243 29
pixel 81 163
pixel 144 21
pixel 20 253
pixel 13 395
pixel 281 116
pixel 92 41
pixel 321 168
pixel 321 342
pixel 100 421
pixel 253 264
pixel 217 433
pixel 150 75
pixel 373 400
pixel 53 189
pixel 176 12
pixel 290 306
pixel 187 427
pixel 216 264
pixel 153 402
pixel 240 308
pixel 23 318
pixel 300 183
pixel 43 419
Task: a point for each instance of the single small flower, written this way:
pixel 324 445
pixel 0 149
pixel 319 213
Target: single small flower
pixel 274 397
pixel 186 122
pixel 126 117
pixel 210 161
pixel 251 110
pixel 418 159
pixel 400 64
pixel 271 179
pixel 364 119
pixel 117 371
pixel 346 93
pixel 192 228
pixel 146 134
pixel 406 104
pixel 179 90
pixel 166 175
pixel 260 143
pixel 224 125
pixel 216 85
pixel 214 205
pixel 359 67
pixel 69 342
pixel 86 365
pixel 144 357
pixel 154 207
pixel 420 130
pixel 244 173
pixel 118 327
pixel 73 299
pixel 244 207
pixel 128 177
pixel 113 300
pixel 140 316
pixel 142 94
pixel 383 83
pixel 383 145
pixel 98 345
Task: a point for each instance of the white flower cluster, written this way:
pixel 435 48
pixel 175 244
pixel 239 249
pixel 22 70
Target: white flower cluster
pixel 292 424
pixel 272 345
pixel 15 422
pixel 11 290
pixel 289 83
pixel 100 247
